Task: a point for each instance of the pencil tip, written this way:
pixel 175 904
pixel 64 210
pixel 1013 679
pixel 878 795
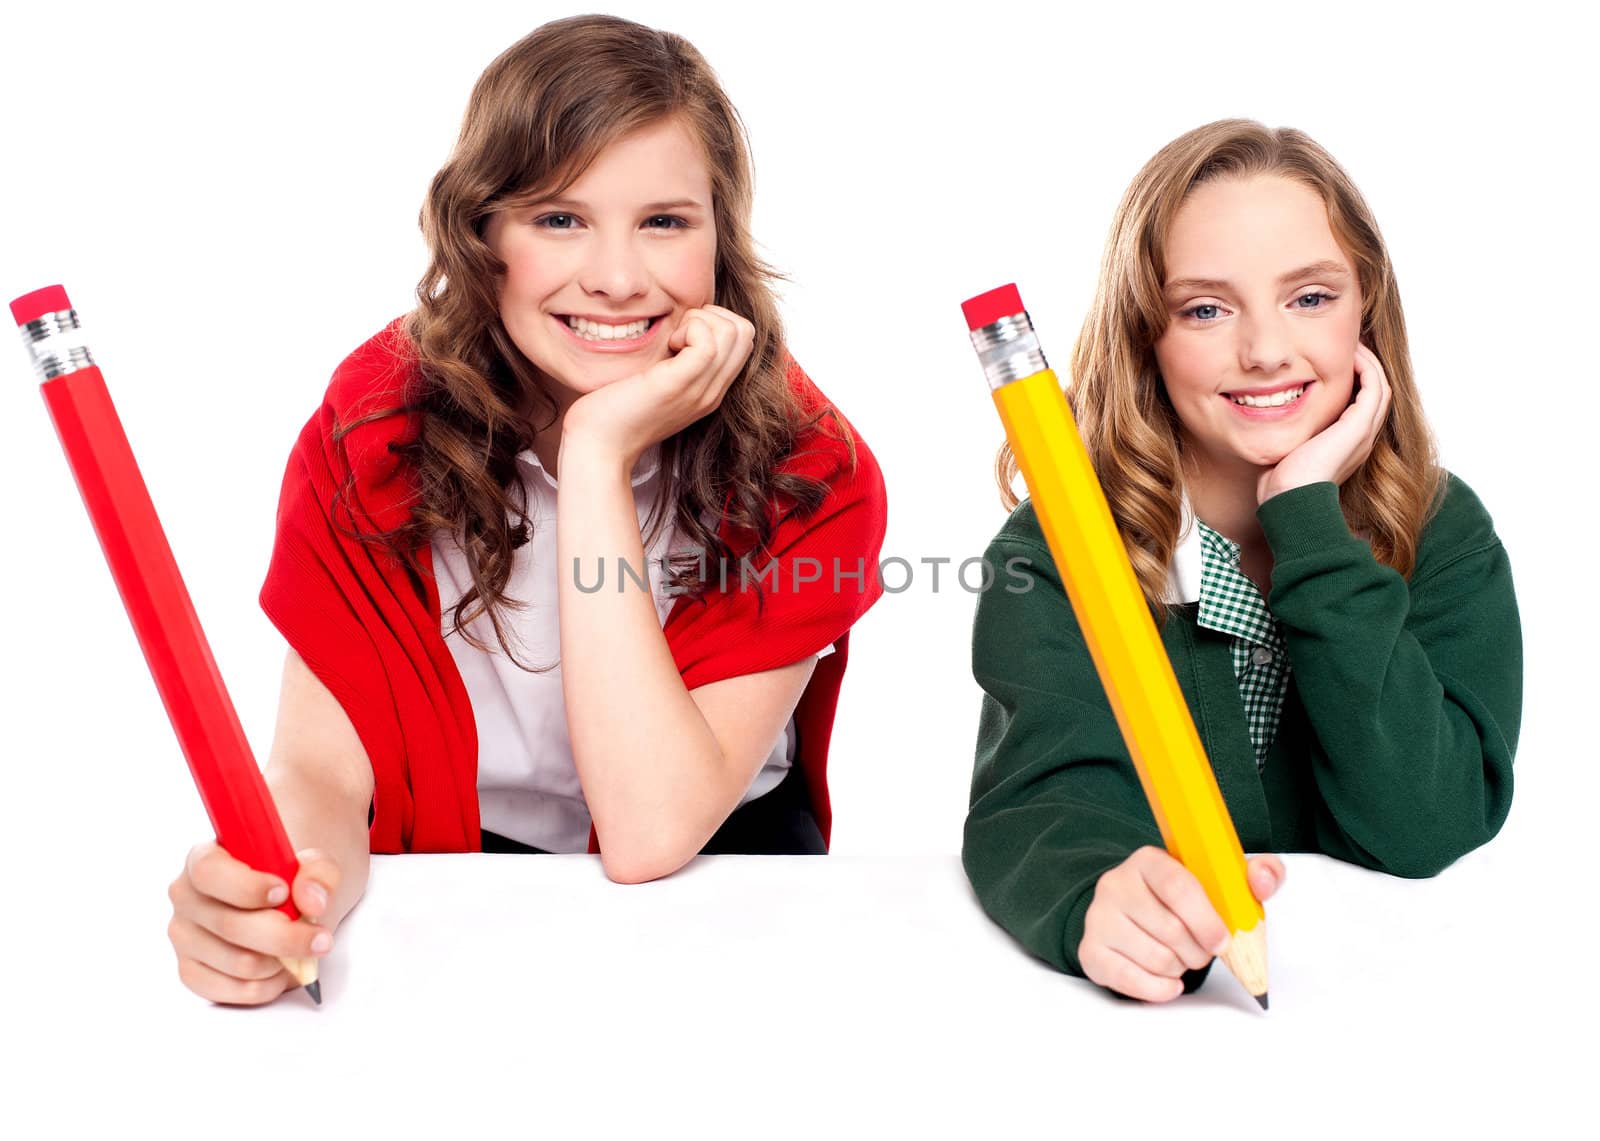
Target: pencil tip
pixel 1261 998
pixel 314 989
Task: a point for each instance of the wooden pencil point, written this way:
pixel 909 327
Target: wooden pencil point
pixel 314 989
pixel 1246 957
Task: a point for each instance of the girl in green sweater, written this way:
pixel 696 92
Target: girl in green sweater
pixel 1338 609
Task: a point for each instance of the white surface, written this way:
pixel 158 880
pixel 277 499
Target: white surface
pixel 530 994
pixel 252 176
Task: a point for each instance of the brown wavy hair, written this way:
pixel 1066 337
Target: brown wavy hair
pixel 538 116
pixel 1128 424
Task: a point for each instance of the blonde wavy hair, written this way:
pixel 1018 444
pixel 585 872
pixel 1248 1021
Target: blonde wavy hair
pixel 1128 424
pixel 539 115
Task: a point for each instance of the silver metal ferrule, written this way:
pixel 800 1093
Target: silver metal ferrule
pixel 1008 349
pixel 55 342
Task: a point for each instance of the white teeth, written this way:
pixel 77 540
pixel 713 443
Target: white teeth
pixel 1276 400
pixel 595 331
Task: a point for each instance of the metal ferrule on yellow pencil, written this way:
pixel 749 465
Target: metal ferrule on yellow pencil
pixel 1008 350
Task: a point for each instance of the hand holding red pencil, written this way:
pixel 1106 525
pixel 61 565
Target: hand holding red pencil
pixel 227 931
pixel 153 593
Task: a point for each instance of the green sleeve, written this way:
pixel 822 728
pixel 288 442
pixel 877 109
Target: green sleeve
pixel 1413 690
pixel 1055 799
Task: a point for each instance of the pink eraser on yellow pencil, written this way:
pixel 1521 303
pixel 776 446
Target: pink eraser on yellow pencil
pixel 987 308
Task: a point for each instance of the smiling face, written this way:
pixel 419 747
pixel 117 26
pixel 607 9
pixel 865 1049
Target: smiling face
pixel 598 277
pixel 1264 316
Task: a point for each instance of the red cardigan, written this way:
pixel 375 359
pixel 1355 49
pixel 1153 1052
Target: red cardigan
pixel 372 633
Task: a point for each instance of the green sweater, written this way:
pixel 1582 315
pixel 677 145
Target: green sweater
pixel 1393 750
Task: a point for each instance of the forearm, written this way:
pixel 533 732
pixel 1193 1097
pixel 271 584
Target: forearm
pixel 320 812
pixel 1410 783
pixel 1411 690
pixel 1034 868
pixel 1055 800
pixel 653 773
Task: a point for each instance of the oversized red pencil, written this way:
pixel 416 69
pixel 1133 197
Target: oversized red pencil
pixel 175 648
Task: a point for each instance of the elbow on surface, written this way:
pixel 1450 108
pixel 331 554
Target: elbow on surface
pixel 625 863
pixel 1418 867
pixel 1428 847
pixel 1424 863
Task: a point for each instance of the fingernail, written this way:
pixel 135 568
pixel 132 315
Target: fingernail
pixel 318 894
pixel 321 943
pixel 276 894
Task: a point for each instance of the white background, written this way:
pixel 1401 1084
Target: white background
pixel 230 197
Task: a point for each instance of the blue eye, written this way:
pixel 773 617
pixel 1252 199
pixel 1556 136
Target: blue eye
pixel 557 222
pixel 1203 313
pixel 1318 299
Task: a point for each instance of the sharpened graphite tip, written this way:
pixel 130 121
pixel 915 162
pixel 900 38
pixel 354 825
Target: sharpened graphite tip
pixel 1261 998
pixel 314 989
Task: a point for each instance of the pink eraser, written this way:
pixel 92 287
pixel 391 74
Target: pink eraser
pixel 32 306
pixel 987 308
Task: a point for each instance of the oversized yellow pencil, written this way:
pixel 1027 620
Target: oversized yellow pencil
pixel 1117 624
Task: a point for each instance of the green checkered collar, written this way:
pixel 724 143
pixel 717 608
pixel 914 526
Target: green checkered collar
pixel 1205 569
pixel 1229 602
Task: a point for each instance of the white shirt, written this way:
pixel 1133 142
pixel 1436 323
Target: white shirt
pixel 1183 575
pixel 528 786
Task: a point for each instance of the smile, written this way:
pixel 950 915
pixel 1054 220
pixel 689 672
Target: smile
pixel 1274 400
pixel 595 331
pixel 606 336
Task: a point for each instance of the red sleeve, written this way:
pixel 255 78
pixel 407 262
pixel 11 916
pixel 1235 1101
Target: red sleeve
pixel 362 623
pixel 822 577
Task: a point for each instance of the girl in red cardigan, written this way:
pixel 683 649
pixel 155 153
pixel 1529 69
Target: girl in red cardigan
pixel 568 558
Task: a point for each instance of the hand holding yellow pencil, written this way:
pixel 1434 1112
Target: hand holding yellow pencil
pixel 1149 922
pixel 1117 624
